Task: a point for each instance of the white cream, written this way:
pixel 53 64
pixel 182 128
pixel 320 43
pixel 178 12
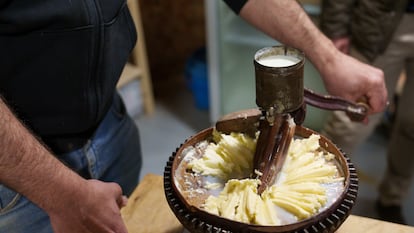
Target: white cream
pixel 278 61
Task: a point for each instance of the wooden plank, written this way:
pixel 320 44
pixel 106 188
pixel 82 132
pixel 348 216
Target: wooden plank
pixel 357 224
pixel 140 58
pixel 147 210
pixel 129 73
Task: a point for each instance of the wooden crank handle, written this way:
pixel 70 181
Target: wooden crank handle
pixel 355 111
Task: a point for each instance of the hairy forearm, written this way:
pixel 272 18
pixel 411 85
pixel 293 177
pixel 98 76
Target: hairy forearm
pixel 286 21
pixel 28 167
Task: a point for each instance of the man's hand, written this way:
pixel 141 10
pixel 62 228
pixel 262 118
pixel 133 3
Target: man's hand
pixel 74 205
pixel 94 208
pixel 351 79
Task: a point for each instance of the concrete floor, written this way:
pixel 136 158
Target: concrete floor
pixel 176 118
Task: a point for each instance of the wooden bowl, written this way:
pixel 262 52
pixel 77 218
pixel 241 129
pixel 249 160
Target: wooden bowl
pixel 187 207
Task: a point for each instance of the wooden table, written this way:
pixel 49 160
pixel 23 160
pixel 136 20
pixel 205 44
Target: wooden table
pixel 147 211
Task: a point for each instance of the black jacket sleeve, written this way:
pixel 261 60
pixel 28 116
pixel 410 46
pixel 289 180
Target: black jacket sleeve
pixel 235 5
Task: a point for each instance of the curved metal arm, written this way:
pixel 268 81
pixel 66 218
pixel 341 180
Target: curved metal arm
pixel 355 111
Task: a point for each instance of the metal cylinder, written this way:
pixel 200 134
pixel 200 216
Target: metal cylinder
pixel 279 78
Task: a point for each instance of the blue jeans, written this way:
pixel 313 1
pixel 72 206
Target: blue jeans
pixel 112 154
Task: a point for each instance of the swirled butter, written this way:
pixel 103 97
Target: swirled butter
pixel 307 183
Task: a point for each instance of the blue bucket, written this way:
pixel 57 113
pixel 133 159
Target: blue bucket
pixel 197 78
